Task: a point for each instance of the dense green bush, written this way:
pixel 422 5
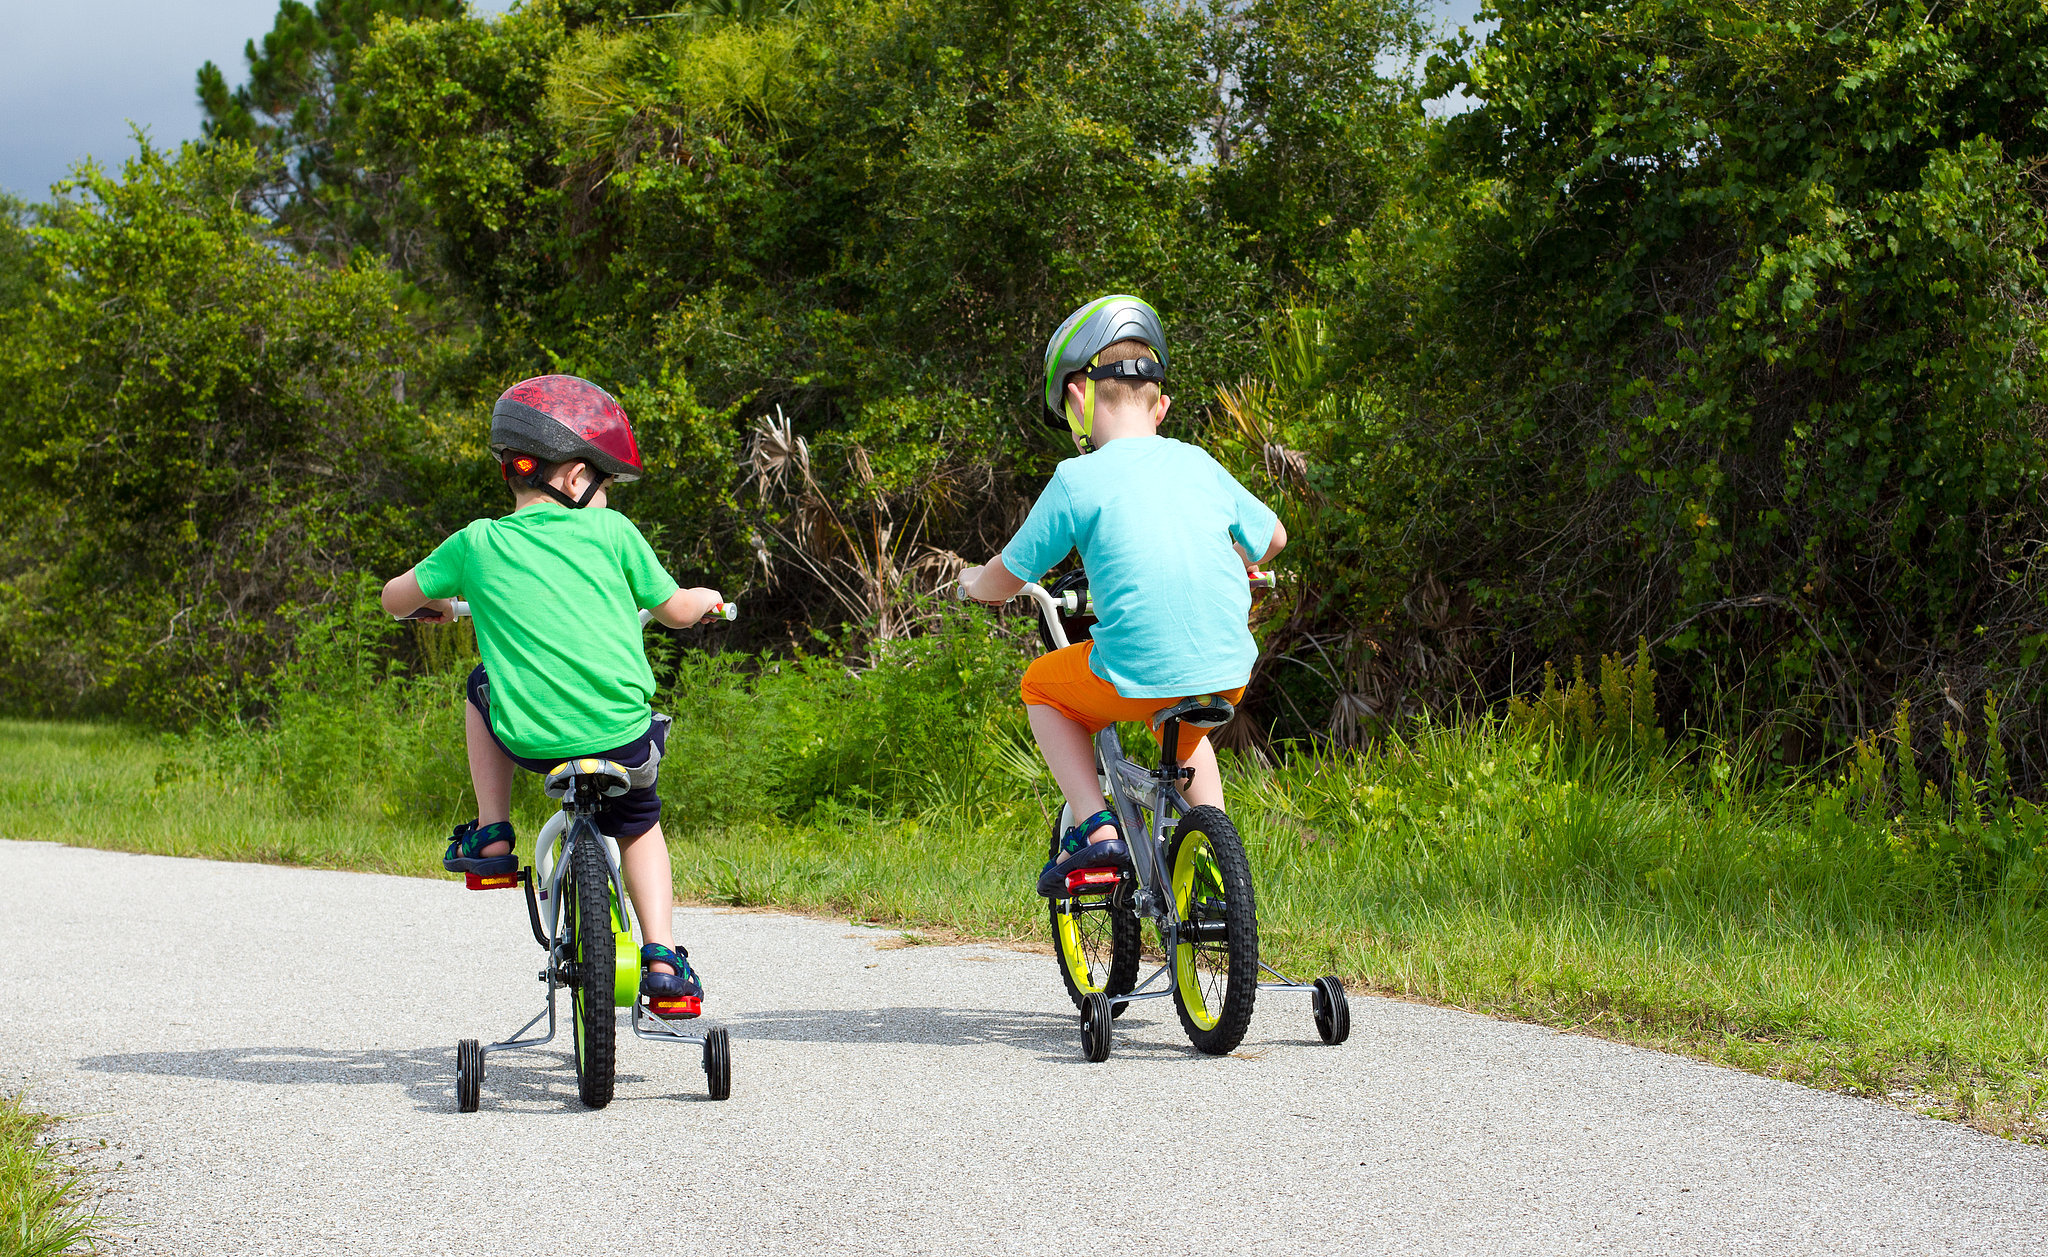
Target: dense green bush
pixel 200 425
pixel 1713 326
pixel 1722 325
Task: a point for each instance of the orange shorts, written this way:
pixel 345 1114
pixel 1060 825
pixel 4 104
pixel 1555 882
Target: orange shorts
pixel 1062 680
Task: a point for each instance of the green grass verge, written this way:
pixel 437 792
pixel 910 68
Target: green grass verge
pixel 44 1208
pixel 1470 868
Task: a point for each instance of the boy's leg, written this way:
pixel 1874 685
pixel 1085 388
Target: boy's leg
pixel 650 885
pixel 490 775
pixel 1070 753
pixel 1206 790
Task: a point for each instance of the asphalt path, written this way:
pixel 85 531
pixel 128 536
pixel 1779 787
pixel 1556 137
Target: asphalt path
pixel 269 1054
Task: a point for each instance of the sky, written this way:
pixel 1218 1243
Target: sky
pixel 81 71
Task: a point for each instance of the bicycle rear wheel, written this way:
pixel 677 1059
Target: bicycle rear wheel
pixel 1216 962
pixel 1095 938
pixel 593 953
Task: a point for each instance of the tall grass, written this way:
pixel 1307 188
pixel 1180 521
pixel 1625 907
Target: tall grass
pixel 1864 931
pixel 44 1209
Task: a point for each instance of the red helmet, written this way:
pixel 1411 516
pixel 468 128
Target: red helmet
pixel 560 419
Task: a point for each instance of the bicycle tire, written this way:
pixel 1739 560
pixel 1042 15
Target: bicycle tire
pixel 1215 979
pixel 594 953
pixel 1096 936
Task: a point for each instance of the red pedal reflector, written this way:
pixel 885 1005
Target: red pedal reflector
pixel 688 1006
pixel 503 881
pixel 1084 879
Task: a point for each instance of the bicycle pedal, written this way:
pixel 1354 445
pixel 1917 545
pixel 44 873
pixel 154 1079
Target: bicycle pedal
pixel 499 881
pixel 1093 881
pixel 687 1006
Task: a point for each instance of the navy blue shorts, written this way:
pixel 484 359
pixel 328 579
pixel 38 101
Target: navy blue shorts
pixel 626 816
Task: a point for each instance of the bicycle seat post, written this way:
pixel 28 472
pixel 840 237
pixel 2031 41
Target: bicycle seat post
pixel 1169 769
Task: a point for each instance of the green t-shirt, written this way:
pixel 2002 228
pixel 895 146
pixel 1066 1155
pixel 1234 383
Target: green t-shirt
pixel 557 596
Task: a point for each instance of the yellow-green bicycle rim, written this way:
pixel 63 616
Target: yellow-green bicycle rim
pixel 1195 878
pixel 1073 952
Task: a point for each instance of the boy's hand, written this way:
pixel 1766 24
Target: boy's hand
pixel 687 608
pixel 433 611
pixel 990 584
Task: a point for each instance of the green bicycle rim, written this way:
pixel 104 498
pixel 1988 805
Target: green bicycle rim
pixel 1193 864
pixel 576 1001
pixel 1073 955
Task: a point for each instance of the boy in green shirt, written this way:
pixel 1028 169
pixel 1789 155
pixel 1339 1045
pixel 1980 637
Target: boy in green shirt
pixel 556 588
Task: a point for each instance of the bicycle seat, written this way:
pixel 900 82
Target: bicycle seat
pixel 610 778
pixel 1204 711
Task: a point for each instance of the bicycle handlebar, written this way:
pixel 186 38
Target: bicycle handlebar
pixel 1079 602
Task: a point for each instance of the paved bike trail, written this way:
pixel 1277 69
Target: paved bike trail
pixel 269 1053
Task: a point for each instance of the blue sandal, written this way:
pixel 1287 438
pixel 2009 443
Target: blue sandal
pixel 1076 852
pixel 468 841
pixel 678 994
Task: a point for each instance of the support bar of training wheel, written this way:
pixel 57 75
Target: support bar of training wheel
pixel 533 910
pixel 670 1032
pixel 1285 983
pixel 516 1042
pixel 1139 991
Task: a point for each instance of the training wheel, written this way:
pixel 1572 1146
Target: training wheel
pixel 469 1074
pixel 1095 1021
pixel 718 1064
pixel 1333 1011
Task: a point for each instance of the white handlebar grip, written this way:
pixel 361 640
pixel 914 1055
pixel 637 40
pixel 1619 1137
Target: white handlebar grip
pixel 727 611
pixel 960 592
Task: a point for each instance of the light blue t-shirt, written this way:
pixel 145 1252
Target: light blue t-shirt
pixel 1154 520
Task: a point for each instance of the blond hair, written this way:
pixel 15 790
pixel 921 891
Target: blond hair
pixel 1119 392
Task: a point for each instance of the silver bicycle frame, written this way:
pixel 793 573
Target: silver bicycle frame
pixel 1134 791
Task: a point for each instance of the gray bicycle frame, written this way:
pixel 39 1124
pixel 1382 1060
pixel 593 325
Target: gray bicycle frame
pixel 1133 791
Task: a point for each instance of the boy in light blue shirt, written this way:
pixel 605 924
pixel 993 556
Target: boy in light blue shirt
pixel 1166 535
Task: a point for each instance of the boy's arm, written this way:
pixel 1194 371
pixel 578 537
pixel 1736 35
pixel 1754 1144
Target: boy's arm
pixel 993 582
pixel 1279 544
pixel 1046 537
pixel 403 596
pixel 686 607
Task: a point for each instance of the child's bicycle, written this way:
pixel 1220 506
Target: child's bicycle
pixel 1194 885
pixel 582 919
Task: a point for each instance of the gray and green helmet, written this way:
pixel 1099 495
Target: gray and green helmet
pixel 1086 333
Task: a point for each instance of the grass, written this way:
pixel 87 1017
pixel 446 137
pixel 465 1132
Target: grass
pixel 43 1206
pixel 1631 898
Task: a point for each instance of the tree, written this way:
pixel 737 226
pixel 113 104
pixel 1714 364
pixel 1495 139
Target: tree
pixel 298 110
pixel 1725 328
pixel 200 424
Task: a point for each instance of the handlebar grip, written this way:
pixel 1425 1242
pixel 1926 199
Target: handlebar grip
pixel 727 611
pixel 960 592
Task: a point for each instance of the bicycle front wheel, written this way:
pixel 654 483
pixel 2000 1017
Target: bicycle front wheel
pixel 1216 961
pixel 594 956
pixel 1095 938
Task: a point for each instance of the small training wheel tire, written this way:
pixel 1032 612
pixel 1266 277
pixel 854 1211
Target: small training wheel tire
pixel 469 1075
pixel 1095 1023
pixel 718 1064
pixel 1333 1011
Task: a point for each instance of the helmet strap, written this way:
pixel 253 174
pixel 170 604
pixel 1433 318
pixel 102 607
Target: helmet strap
pixel 524 469
pixel 597 482
pixel 1085 431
